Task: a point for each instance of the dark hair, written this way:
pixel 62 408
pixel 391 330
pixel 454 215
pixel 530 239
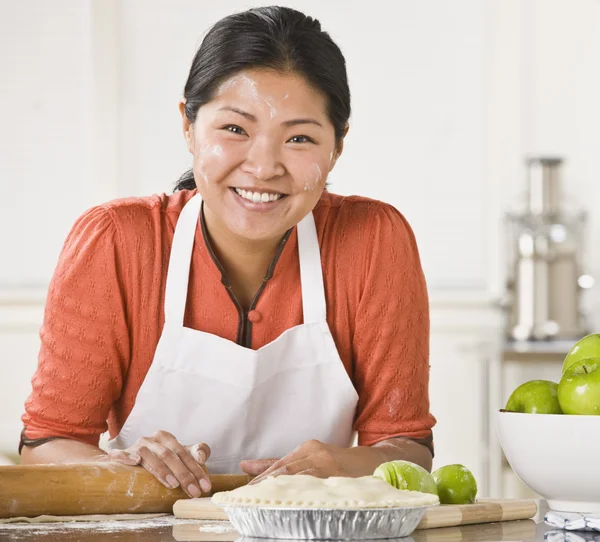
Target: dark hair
pixel 273 37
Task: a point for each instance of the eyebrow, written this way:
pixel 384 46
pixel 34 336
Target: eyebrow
pixel 252 118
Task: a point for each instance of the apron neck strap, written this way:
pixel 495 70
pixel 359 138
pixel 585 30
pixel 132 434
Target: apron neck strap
pixel 178 275
pixel 311 272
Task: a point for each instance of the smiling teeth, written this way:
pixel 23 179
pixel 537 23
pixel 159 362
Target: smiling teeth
pixel 257 197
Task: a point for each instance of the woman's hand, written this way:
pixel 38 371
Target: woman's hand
pixel 323 460
pixel 312 457
pixel 169 461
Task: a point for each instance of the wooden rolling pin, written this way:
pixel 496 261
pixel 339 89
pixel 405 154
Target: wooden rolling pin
pixel 91 488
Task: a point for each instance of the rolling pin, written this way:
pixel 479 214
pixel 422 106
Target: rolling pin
pixel 91 488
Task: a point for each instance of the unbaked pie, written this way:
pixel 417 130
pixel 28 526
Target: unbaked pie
pixel 303 491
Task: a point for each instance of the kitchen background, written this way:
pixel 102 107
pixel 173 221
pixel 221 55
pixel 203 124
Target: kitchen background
pixel 449 98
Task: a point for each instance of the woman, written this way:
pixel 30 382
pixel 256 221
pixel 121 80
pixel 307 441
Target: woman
pixel 251 320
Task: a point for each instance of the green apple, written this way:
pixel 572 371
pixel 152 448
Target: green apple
pixel 586 348
pixel 406 475
pixel 455 484
pixel 579 388
pixel 535 397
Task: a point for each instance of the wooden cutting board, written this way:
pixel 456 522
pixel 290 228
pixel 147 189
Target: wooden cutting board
pixel 483 511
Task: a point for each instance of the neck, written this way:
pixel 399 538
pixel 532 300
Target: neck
pixel 225 242
pixel 245 261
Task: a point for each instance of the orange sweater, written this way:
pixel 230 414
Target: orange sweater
pixel 104 314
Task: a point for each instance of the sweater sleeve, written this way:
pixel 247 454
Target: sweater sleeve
pixel 391 337
pixel 84 349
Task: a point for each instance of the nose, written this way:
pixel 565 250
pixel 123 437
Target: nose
pixel 263 160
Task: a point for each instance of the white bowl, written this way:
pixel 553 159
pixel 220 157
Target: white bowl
pixel 555 455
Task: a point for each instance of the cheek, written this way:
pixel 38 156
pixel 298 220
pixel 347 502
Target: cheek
pixel 211 160
pixel 311 176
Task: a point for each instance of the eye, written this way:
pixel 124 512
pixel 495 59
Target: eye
pixel 234 129
pixel 305 139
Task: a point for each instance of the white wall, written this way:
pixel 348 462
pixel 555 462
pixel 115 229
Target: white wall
pixel 416 131
pixel 50 120
pixel 448 98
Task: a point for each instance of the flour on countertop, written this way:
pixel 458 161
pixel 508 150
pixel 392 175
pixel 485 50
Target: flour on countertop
pixel 221 527
pixel 98 526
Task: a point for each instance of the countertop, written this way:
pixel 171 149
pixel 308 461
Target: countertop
pixel 168 528
pixel 533 351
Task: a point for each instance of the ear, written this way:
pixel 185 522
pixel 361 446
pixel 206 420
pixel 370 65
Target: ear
pixel 188 127
pixel 339 149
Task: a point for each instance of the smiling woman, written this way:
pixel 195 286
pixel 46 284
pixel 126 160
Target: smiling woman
pixel 251 320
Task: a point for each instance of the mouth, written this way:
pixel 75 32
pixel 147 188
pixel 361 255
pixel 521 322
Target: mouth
pixel 258 196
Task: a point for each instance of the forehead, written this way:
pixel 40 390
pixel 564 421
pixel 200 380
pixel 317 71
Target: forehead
pixel 289 90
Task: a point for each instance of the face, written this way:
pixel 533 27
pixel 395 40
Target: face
pixel 262 148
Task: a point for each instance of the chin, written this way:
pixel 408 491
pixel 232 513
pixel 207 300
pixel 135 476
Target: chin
pixel 256 233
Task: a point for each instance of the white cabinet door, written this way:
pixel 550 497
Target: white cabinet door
pixel 466 330
pixel 458 398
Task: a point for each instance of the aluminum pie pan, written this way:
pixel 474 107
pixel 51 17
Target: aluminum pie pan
pixel 323 524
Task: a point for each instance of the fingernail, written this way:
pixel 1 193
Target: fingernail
pixel 135 457
pixel 172 481
pixel 200 455
pixel 194 491
pixel 205 485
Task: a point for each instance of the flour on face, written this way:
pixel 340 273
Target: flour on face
pixel 313 182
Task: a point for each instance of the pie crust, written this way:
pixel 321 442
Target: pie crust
pixel 303 491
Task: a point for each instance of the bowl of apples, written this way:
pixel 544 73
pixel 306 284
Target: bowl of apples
pixel 550 432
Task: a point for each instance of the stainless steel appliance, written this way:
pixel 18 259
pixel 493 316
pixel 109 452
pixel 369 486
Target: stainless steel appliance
pixel 545 266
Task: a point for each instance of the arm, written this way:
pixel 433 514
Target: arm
pixel 84 359
pixel 62 451
pixel 391 343
pixel 370 457
pixel 84 351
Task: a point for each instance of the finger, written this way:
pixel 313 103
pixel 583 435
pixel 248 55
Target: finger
pixel 185 467
pixel 291 468
pixel 124 456
pixel 277 469
pixel 156 467
pixel 257 466
pixel 166 466
pixel 186 472
pixel 269 471
pixel 194 460
pixel 313 471
pixel 296 454
pixel 126 461
pixel 200 452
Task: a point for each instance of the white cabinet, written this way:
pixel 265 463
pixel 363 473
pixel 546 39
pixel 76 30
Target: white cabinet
pixel 457 394
pixel 464 338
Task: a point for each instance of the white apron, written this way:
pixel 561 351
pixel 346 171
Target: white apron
pixel 244 403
